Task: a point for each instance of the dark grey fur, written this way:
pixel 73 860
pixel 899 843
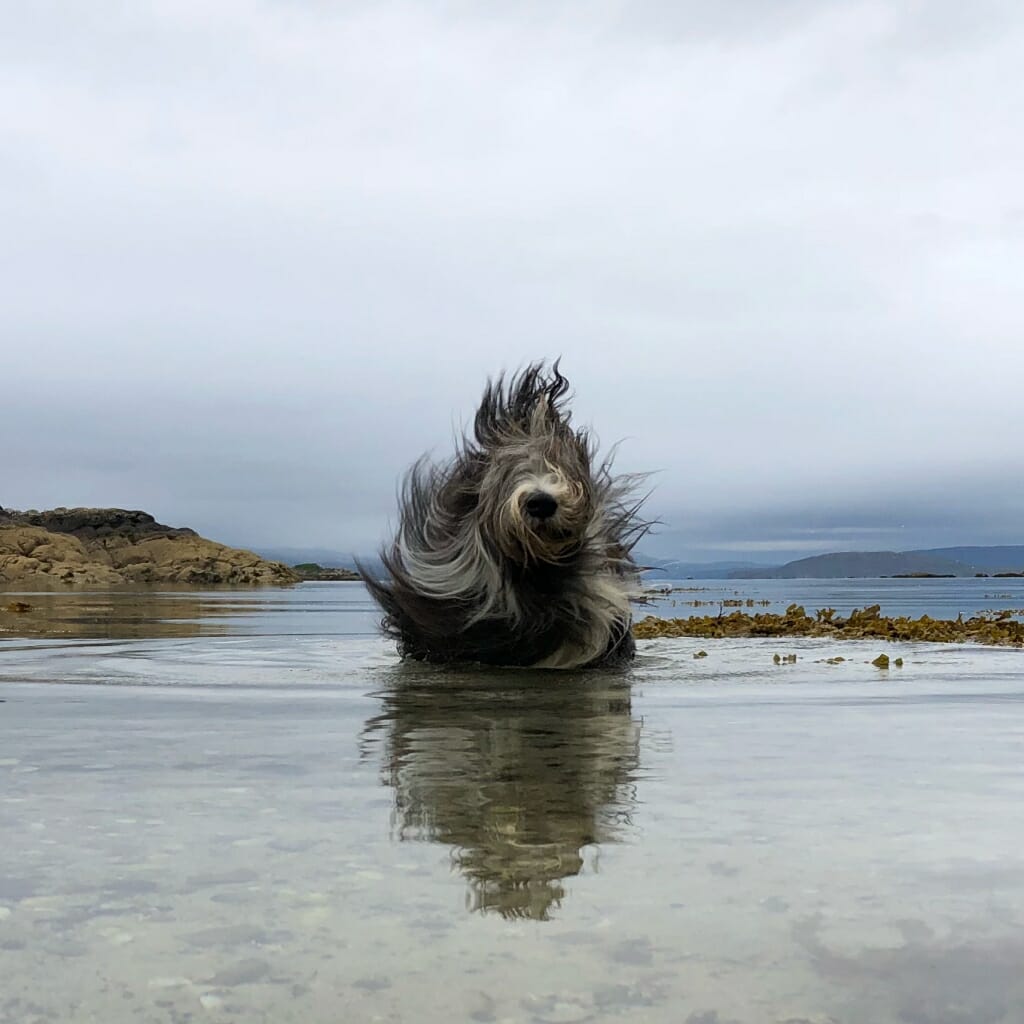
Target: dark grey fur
pixel 474 577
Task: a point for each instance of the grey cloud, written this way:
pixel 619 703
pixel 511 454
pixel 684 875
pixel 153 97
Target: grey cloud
pixel 257 257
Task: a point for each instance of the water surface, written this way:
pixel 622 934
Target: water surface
pixel 238 806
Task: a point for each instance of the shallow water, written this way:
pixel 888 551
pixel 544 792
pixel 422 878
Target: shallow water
pixel 939 598
pixel 269 819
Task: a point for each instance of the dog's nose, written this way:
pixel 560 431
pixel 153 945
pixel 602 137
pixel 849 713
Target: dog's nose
pixel 541 505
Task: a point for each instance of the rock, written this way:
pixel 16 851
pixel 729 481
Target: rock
pixel 882 661
pixel 106 547
pixel 1002 627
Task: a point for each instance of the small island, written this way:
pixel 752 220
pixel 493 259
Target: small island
pixel 312 571
pixel 113 546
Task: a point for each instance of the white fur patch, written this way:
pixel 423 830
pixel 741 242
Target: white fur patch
pixel 603 605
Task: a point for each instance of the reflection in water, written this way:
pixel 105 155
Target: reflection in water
pixel 128 614
pixel 927 979
pixel 516 772
pixel 164 612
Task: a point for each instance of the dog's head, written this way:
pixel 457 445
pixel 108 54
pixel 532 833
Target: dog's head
pixel 528 479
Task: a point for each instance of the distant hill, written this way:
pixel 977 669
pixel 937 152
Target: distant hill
pixel 671 569
pixel 959 561
pixel 310 571
pixel 321 556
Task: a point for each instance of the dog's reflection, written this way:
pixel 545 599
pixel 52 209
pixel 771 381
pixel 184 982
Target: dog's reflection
pixel 518 773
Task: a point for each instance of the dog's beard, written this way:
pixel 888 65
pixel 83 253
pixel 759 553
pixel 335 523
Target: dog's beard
pixel 527 538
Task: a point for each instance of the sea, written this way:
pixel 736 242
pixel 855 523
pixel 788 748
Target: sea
pixel 235 806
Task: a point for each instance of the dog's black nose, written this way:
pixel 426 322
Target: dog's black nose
pixel 541 505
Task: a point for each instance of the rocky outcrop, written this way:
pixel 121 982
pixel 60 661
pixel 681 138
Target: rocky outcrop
pixel 110 546
pixel 1000 627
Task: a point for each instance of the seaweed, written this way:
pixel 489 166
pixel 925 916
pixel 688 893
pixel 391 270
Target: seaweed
pixel 994 628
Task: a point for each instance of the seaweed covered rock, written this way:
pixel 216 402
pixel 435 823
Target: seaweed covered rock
pixel 862 624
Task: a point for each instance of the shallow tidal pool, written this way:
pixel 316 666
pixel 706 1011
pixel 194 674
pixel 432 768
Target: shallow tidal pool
pixel 242 808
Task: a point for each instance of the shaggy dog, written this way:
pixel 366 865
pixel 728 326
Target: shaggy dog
pixel 517 550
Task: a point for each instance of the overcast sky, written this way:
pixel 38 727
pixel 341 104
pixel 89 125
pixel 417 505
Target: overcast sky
pixel 255 257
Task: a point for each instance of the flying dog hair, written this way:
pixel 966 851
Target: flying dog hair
pixel 516 551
